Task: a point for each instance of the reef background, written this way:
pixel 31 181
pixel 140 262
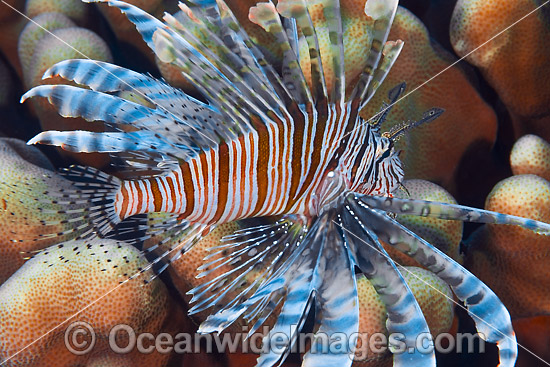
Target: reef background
pixel 481 166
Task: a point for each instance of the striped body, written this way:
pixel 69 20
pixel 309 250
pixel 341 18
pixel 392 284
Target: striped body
pixel 271 171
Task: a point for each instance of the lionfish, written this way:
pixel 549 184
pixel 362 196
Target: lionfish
pixel 267 142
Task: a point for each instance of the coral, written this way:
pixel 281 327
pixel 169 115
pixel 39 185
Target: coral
pixel 514 261
pixel 433 296
pixel 433 152
pixel 61 44
pixel 533 332
pixel 21 214
pixel 531 155
pixel 76 10
pixel 32 34
pixel 514 63
pixel 173 75
pixel 444 234
pixel 79 281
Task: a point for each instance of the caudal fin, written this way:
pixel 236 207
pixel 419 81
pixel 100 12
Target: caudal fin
pixel 84 208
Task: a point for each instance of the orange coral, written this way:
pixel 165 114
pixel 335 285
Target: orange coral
pixel 433 152
pixel 75 10
pixel 443 234
pixel 531 155
pixel 433 296
pixel 513 261
pixel 516 62
pixel 173 75
pixel 79 281
pixel 21 214
pixel 32 34
pixel 61 44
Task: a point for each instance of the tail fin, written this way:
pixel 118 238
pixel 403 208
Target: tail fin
pixel 88 205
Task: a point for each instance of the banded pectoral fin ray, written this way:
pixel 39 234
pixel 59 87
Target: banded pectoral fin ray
pixel 299 280
pixel 491 318
pixel 172 238
pixel 451 212
pixel 243 263
pixel 86 208
pixel 303 281
pixel 336 306
pixel 286 282
pixel 405 320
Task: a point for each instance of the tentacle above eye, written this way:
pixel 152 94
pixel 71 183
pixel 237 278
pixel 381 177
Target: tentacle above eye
pixel 451 212
pixel 490 315
pixel 405 318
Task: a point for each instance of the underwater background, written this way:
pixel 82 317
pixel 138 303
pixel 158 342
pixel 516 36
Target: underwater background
pixel 489 150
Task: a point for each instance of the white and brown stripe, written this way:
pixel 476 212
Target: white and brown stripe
pixel 273 170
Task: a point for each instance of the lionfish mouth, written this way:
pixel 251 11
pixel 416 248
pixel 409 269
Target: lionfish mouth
pixel 272 128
